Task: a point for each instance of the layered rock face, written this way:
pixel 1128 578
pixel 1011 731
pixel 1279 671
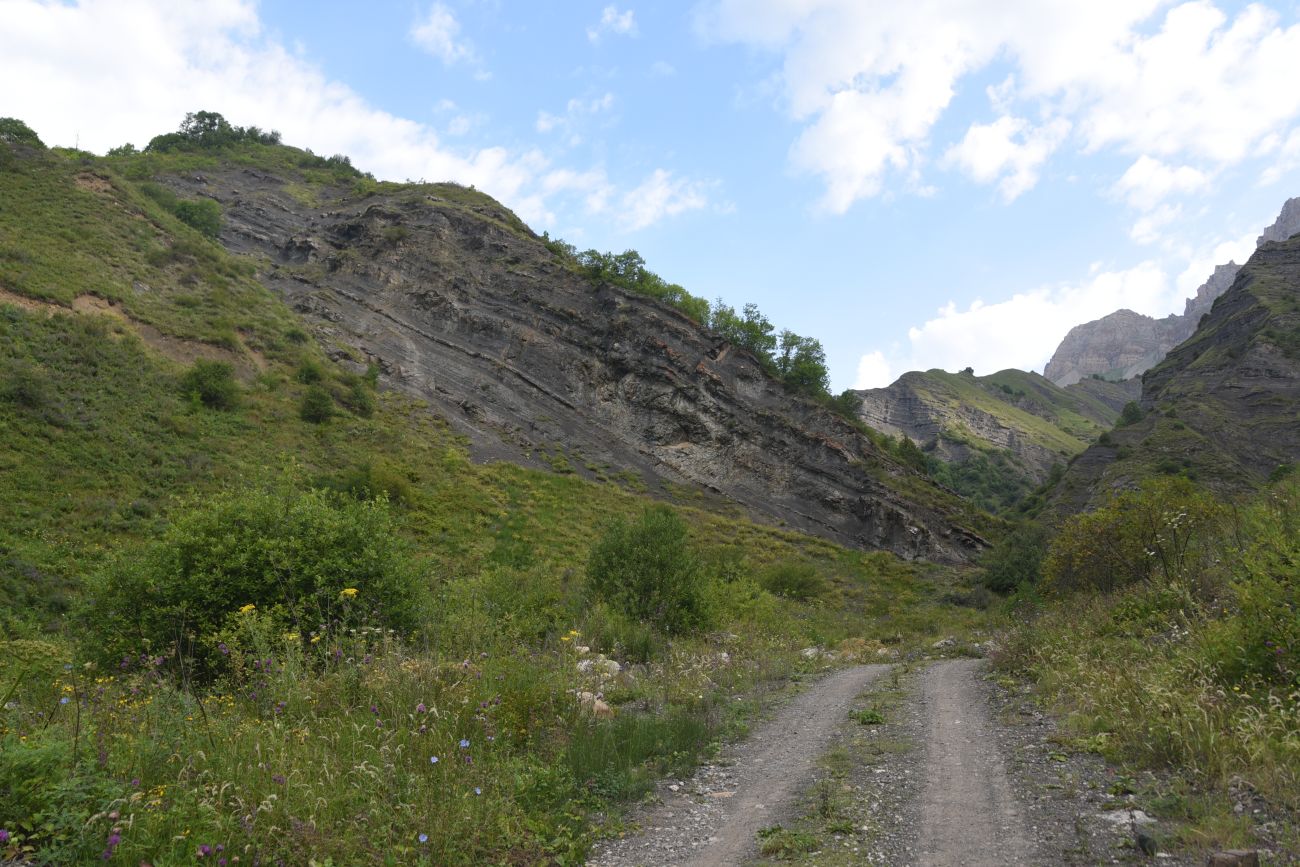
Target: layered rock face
pixel 1222 406
pixel 1125 344
pixel 462 306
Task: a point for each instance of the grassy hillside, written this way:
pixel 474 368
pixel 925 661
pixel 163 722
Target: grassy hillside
pixel 149 386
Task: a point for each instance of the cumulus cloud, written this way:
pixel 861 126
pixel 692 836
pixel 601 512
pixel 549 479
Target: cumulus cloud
pixel 90 75
pixel 438 34
pixel 1008 151
pixel 576 113
pixel 869 81
pixel 874 371
pixel 613 21
pixel 1024 330
pixel 658 196
pixel 1148 182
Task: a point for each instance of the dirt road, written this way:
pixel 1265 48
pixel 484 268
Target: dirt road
pixel 969 815
pixel 713 820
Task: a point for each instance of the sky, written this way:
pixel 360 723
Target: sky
pixel 936 183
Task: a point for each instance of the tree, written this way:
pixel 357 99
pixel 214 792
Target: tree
pixel 801 364
pixel 750 330
pixel 14 131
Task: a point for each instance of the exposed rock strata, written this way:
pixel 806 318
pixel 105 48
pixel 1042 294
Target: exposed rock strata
pixel 460 305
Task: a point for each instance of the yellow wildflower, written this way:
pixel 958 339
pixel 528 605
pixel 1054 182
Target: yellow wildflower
pixel 291 636
pixel 247 609
pixel 348 593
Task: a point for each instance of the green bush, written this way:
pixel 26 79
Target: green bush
pixel 317 405
pixel 202 214
pixel 647 569
pixel 211 383
pixel 1016 560
pixel 1163 530
pixel 291 555
pixel 799 581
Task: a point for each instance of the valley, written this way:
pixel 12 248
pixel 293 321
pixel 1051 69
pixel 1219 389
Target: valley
pixel 351 521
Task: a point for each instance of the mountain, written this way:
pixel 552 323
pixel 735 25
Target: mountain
pixel 1221 407
pixel 1124 344
pixel 996 437
pixel 457 303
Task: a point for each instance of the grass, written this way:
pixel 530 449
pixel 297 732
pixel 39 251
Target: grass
pixel 322 752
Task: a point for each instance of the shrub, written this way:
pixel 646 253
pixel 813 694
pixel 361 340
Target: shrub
pixel 291 555
pixel 799 581
pixel 202 214
pixel 211 383
pixel 1016 560
pixel 1131 414
pixel 1161 530
pixel 317 405
pixel 647 569
pixel 309 371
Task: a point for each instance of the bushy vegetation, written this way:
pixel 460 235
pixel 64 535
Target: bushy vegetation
pixel 300 560
pixel 209 130
pixel 14 131
pixel 648 570
pixel 1175 644
pixel 211 383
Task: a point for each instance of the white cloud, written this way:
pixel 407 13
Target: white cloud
pixel 613 21
pixel 576 113
pixel 658 196
pixel 873 371
pixel 662 69
pixel 1024 330
pixel 1009 151
pixel 1148 182
pixel 1147 229
pixel 869 81
pixel 105 72
pixel 1199 269
pixel 438 33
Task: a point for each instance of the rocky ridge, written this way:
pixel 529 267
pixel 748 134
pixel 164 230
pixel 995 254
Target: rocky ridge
pixel 1124 344
pixel 459 304
pixel 1221 407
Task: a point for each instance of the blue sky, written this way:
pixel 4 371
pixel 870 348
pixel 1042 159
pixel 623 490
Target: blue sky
pixel 940 183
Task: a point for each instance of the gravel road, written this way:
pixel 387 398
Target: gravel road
pixel 713 819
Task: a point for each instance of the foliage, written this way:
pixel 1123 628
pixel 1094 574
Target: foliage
pixel 201 214
pixel 209 130
pixel 750 330
pixel 1131 414
pixel 647 569
pixel 291 556
pixel 211 383
pixel 14 131
pixel 1016 560
pixel 317 405
pixel 799 581
pixel 801 364
pixel 1160 530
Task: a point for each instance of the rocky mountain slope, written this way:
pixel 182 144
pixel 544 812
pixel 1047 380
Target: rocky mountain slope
pixel 1221 407
pixel 460 304
pixel 1124 344
pixel 1013 425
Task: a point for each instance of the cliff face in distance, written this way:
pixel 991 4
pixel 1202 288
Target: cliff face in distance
pixel 1125 344
pixel 461 305
pixel 1221 407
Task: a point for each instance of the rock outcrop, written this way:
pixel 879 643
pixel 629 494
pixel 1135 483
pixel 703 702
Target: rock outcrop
pixel 1125 344
pixel 1222 406
pixel 460 304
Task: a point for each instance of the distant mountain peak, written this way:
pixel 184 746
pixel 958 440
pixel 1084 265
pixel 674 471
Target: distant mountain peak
pixel 1119 347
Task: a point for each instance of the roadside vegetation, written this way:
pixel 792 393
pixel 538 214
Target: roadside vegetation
pixel 257 608
pixel 1164 627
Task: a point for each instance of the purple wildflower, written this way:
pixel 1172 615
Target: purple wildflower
pixel 424 838
pixel 4 835
pixel 420 708
pixel 464 743
pixel 278 779
pixel 433 760
pixel 477 790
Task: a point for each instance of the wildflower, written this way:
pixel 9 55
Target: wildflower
pixel 420 708
pixel 4 836
pixel 248 609
pixel 135 783
pixel 315 639
pixel 424 838
pixel 278 779
pixel 477 790
pixel 433 760
pixel 291 636
pixel 464 743
pixel 348 593
pixel 63 700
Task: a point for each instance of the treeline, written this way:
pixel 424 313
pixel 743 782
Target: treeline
pixel 798 362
